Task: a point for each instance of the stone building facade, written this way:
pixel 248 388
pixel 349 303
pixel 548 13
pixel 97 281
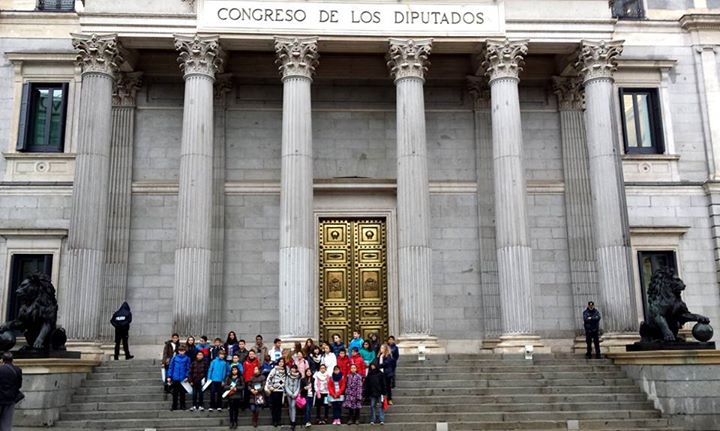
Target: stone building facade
pixel 460 175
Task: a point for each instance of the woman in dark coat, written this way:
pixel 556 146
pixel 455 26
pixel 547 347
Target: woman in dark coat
pixel 121 320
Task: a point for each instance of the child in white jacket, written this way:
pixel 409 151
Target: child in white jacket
pixel 321 392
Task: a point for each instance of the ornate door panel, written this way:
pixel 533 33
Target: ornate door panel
pixel 353 277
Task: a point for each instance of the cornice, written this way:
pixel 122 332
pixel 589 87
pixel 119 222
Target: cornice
pixel 701 22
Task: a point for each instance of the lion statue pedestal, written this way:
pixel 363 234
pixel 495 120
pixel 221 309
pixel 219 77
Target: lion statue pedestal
pixel 666 314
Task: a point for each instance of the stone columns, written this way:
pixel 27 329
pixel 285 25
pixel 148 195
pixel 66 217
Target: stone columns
pixel 297 59
pixel 99 57
pixel 596 63
pixel 118 229
pixel 200 58
pixel 480 93
pixel 408 62
pixel 223 86
pixel 504 60
pixel 578 197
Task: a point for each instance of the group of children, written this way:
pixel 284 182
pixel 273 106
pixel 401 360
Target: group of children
pixel 324 375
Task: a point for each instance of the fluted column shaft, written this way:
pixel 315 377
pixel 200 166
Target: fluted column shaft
pixel 200 59
pixel 596 62
pixel 297 240
pixel 88 217
pixel 118 229
pixel 408 62
pixel 514 254
pixel 578 196
pixel 490 294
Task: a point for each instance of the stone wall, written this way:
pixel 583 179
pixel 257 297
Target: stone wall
pixel 689 394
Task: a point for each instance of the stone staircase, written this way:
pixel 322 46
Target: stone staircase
pixel 469 392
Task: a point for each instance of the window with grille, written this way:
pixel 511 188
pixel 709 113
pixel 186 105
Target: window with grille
pixel 650 261
pixel 56 5
pixel 627 9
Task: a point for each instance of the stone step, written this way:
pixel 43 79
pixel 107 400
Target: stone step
pixel 509 376
pixel 504 368
pixel 400 407
pixel 395 417
pixel 408 399
pixel 455 381
pixel 425 391
pixel 155 419
pixel 447 374
pixel 626 425
pixel 590 381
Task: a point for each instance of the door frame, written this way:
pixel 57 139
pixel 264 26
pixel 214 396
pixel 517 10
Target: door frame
pixel 354 206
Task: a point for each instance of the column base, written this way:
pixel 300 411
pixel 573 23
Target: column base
pixel 409 344
pixel 89 350
pixel 516 344
pixel 288 341
pixel 489 344
pixel 616 341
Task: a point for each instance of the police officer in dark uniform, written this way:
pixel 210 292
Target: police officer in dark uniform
pixel 121 320
pixel 591 320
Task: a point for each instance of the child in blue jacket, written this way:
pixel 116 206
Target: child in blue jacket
pixel 218 371
pixel 177 373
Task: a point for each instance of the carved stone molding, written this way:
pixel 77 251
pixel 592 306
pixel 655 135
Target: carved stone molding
pixel 504 58
pixel 598 59
pixel 223 85
pixel 200 55
pixel 479 90
pixel 296 56
pixel 569 91
pixel 97 53
pixel 408 58
pixel 125 88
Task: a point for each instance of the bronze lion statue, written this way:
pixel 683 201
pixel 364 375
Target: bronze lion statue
pixel 37 316
pixel 666 312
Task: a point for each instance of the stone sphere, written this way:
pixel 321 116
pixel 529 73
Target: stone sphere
pixel 702 332
pixel 7 341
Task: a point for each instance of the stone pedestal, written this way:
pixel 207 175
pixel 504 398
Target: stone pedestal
pixel 99 58
pixel 48 385
pixel 297 58
pixel 596 64
pixel 683 385
pixel 503 61
pixel 408 61
pixel 200 59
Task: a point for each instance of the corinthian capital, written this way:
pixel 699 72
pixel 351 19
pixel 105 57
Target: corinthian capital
pixel 479 91
pixel 569 93
pixel 408 58
pixel 296 56
pixel 97 53
pixel 125 88
pixel 504 58
pixel 200 55
pixel 598 59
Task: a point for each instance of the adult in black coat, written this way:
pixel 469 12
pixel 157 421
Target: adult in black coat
pixel 121 320
pixel 374 389
pixel 10 384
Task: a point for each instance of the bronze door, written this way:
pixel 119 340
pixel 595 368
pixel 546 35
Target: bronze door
pixel 353 277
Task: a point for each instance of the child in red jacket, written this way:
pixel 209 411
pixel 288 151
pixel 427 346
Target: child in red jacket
pixel 358 361
pixel 343 361
pixel 336 393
